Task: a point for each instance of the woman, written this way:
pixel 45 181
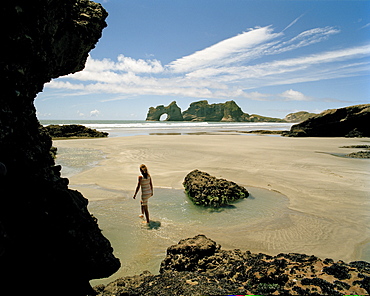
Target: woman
pixel 145 182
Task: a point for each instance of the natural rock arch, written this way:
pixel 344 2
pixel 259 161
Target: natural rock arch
pixel 172 110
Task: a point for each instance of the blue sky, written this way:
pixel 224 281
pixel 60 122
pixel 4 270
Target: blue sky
pixel 271 57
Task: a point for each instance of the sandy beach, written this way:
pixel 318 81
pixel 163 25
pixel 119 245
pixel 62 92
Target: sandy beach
pixel 328 196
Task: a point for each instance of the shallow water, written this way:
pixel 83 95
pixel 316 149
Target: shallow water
pixel 76 160
pixel 121 128
pixel 174 217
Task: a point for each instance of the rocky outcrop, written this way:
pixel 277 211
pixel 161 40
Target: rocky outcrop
pixel 47 235
pixel 206 190
pixel 203 111
pixel 198 266
pixel 172 110
pixel 359 154
pixel 73 131
pixel 353 121
pixel 298 116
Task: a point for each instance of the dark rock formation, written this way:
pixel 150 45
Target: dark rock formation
pixel 47 236
pixel 73 130
pixel 207 190
pixel 198 266
pixel 202 111
pixel 298 116
pixel 172 110
pixel 264 132
pixel 353 121
pixel 359 154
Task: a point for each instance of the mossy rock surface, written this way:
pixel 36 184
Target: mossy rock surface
pixel 206 190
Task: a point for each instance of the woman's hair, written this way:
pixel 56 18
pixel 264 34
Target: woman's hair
pixel 144 171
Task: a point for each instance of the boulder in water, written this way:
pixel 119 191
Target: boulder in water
pixel 206 190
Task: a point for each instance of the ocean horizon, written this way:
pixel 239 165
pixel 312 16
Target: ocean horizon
pixel 121 128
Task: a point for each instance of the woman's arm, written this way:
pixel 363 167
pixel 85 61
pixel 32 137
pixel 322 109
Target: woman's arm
pixel 151 185
pixel 137 187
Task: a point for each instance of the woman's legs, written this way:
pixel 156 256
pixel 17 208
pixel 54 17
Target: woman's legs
pixel 144 210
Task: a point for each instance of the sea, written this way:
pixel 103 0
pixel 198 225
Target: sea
pixel 122 128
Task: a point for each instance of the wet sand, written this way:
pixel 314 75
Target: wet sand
pixel 328 196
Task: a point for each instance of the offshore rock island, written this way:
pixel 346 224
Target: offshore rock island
pixel 352 121
pixel 203 111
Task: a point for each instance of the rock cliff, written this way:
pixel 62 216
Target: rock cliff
pixel 172 110
pixel 198 266
pixel 47 236
pixel 203 111
pixel 206 190
pixel 353 121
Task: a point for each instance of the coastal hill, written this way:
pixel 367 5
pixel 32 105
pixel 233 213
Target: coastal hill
pixel 298 116
pixel 221 112
pixel 48 238
pixel 352 121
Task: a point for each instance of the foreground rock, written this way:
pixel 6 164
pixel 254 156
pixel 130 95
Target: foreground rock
pixel 206 190
pixel 351 121
pixel 73 131
pixel 49 242
pixel 198 266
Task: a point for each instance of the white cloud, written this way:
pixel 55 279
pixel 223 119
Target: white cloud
pixel 227 51
pixel 94 113
pixel 304 39
pixel 125 64
pixel 293 95
pixel 224 70
pixel 366 26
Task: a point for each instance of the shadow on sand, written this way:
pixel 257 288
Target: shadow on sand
pixel 153 224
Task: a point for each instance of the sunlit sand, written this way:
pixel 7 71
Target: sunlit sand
pixel 328 196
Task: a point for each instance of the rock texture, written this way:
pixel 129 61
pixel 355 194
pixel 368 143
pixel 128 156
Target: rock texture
pixel 172 110
pixel 203 111
pixel 353 121
pixel 47 235
pixel 206 190
pixel 73 131
pixel 198 266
